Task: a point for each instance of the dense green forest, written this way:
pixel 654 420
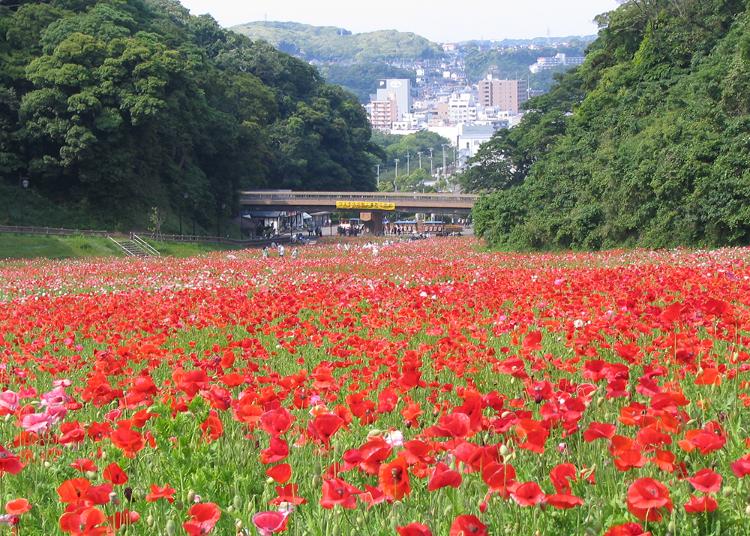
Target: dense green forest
pixel 328 43
pixel 111 107
pixel 648 143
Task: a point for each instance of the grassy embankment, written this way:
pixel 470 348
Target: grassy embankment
pixel 68 247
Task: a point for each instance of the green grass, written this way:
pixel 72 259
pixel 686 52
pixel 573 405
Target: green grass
pixel 190 249
pixel 55 247
pixel 14 246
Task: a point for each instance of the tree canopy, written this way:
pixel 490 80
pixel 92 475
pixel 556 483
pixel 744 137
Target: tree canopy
pixel 114 106
pixel 645 144
pixel 328 43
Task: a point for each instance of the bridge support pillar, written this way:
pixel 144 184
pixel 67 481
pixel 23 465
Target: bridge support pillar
pixel 374 222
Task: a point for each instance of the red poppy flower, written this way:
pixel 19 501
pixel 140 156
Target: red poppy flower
pixel 414 529
pixel 700 505
pixel 203 519
pixel 563 501
pixel 598 430
pixel 442 477
pixel 627 529
pixel 561 475
pixel 456 425
pixel 467 525
pixel 499 477
pixel 9 463
pixel 17 507
pixel 84 465
pixel 372 496
pixel 527 494
pixel 706 481
pixel 84 522
pixel 128 440
pixel 73 490
pixel 394 479
pixel 533 435
pixel 115 474
pixel 125 518
pixel 164 492
pixel 212 427
pixel 276 422
pixel 280 473
pixel 336 491
pixel 287 494
pixel 646 498
pixel 741 467
pixel 277 450
pixel 268 523
pixel 323 426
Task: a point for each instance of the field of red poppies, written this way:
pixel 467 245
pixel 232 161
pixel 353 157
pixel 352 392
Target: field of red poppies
pixel 412 389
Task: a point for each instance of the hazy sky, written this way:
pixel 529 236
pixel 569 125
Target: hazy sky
pixel 438 20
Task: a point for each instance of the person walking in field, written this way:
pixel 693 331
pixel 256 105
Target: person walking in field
pixel 265 252
pixel 281 250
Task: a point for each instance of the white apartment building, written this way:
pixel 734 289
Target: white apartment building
pixel 462 108
pixel 558 60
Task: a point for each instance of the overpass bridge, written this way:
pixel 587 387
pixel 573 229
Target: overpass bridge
pixel 377 202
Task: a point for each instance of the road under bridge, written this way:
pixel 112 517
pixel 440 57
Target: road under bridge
pixel 375 205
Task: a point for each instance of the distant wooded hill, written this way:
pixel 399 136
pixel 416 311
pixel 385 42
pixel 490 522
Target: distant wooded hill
pixel 328 43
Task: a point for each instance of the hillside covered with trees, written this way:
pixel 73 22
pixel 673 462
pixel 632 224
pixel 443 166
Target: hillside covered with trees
pixel 646 144
pixel 109 108
pixel 328 43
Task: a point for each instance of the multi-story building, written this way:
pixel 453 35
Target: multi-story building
pixel 558 60
pixel 383 113
pixel 398 90
pixel 462 108
pixel 503 94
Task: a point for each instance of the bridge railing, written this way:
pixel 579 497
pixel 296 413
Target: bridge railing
pixel 400 196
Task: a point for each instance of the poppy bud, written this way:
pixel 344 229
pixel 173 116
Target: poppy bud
pixel 191 496
pixel 128 492
pixel 671 527
pixel 238 524
pixel 237 502
pixel 171 528
pixel 504 450
pixel 150 520
pixel 747 510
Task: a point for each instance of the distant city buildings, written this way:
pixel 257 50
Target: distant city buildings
pixel 383 113
pixel 398 91
pixel 558 60
pixel 504 94
pixel 443 100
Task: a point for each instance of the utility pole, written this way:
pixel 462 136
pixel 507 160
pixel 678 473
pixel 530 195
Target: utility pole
pixel 408 163
pixel 395 186
pixel 378 183
pixel 419 154
pixel 432 171
pixel 445 171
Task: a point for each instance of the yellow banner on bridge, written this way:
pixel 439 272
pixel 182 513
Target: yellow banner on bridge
pixel 365 205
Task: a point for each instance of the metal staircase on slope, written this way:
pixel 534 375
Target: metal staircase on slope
pixel 135 246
